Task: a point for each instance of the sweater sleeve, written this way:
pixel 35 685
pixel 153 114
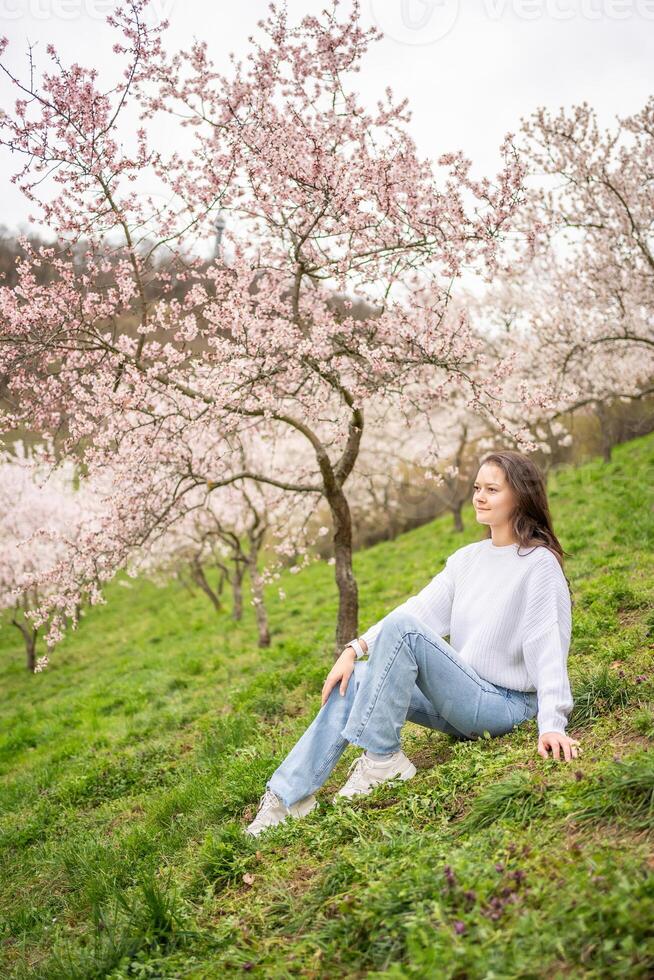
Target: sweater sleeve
pixel 546 641
pixel 432 605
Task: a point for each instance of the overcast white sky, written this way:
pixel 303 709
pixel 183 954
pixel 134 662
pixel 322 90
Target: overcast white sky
pixel 469 72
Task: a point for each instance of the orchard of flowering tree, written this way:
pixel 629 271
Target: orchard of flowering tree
pixel 329 323
pixel 256 344
pixel 325 198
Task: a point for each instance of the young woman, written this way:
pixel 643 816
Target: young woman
pixel 505 604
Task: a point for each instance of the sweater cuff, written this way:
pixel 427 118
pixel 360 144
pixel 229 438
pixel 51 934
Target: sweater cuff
pixel 551 726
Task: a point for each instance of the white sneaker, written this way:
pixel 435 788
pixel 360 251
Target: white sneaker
pixel 366 773
pixel 272 811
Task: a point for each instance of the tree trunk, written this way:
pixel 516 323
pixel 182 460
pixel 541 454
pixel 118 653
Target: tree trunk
pixel 30 649
pixel 200 579
pixel 29 636
pixel 259 605
pixel 347 626
pixel 456 513
pixel 237 593
pixel 606 431
pixel 186 584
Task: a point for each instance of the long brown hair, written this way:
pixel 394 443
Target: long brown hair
pixel 531 519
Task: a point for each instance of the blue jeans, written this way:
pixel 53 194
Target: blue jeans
pixel 414 675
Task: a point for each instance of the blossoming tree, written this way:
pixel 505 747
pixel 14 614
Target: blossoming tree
pixel 590 284
pixel 41 513
pixel 321 195
pixel 245 527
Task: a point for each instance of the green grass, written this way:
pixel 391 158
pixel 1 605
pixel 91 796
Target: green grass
pixel 129 768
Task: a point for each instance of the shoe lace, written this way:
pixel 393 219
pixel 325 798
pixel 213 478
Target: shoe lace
pixel 268 800
pixel 358 766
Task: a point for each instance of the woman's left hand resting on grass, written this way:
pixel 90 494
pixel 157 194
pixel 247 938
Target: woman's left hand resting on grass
pixel 556 741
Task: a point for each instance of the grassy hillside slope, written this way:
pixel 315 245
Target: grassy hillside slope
pixel 129 768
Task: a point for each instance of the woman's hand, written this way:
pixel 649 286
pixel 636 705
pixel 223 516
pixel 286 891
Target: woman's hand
pixel 340 672
pixel 556 741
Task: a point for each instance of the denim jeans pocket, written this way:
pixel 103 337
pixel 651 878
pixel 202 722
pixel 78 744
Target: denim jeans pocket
pixel 521 703
pixel 528 704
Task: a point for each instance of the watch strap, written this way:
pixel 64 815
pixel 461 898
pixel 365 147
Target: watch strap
pixel 356 646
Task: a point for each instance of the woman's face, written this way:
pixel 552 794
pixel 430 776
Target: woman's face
pixel 492 498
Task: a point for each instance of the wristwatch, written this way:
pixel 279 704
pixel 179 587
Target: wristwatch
pixel 356 646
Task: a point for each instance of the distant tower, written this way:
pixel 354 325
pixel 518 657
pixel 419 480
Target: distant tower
pixel 219 225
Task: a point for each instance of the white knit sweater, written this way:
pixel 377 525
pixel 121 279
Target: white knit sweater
pixel 507 613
